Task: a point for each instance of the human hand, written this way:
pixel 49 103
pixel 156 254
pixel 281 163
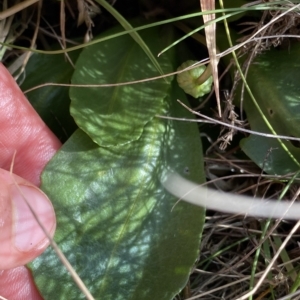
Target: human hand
pixel 24 135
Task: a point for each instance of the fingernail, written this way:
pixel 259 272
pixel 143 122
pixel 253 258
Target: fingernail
pixel 28 233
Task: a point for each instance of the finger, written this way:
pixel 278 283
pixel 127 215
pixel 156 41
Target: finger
pixel 21 236
pixel 22 131
pixel 17 284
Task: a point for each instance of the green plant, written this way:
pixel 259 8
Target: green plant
pixel 129 237
pixel 121 230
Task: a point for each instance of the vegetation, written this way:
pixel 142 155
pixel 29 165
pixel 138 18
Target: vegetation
pixel 103 76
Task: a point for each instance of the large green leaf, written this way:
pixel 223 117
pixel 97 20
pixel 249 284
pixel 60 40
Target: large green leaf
pixel 135 35
pixel 116 223
pixel 51 102
pixel 111 115
pixel 274 81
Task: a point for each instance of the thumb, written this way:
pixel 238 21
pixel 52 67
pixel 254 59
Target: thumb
pixel 21 237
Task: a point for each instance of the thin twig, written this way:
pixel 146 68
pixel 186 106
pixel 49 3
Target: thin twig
pixel 16 8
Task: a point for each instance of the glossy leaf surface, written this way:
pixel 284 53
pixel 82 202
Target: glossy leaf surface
pixel 112 116
pixel 51 102
pixel 117 225
pixel 274 81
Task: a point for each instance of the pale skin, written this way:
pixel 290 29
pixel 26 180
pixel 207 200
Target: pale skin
pixel 23 135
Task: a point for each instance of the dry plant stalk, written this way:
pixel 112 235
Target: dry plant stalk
pixel 16 8
pixel 210 33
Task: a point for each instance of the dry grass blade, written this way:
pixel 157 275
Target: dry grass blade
pixel 62 23
pixel 55 247
pixel 210 33
pixel 16 8
pixel 34 38
pixel 259 282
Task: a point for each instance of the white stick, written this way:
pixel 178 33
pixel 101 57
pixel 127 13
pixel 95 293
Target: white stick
pixel 227 202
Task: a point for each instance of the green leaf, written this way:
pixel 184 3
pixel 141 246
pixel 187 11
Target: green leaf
pixel 273 79
pixel 118 227
pixel 51 102
pixel 114 116
pixel 135 35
